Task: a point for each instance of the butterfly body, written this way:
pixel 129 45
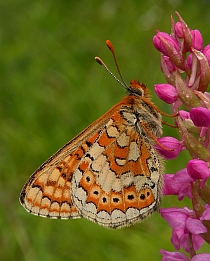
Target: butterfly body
pixel 110 173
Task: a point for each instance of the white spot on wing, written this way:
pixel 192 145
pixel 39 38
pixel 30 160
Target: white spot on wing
pixel 109 123
pixel 117 184
pixel 117 216
pixel 98 163
pixel 106 177
pixel 140 182
pixel 134 152
pixel 89 211
pixel 120 162
pixel 112 132
pixel 80 194
pixel 130 117
pixel 77 175
pixel 132 213
pixel 103 217
pixel 127 179
pixel 123 140
pixel 95 150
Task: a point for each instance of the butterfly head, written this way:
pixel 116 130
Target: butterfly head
pixel 139 89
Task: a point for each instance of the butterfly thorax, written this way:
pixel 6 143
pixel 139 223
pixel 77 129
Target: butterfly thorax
pixel 140 112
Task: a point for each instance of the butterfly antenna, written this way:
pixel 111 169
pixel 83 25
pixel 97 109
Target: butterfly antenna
pixel 111 48
pixel 99 60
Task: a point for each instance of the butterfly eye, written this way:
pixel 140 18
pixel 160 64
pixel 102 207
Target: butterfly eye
pixel 138 88
pixel 140 92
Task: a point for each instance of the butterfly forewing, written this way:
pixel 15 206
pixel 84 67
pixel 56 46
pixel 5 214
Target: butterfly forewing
pixel 47 193
pixel 110 173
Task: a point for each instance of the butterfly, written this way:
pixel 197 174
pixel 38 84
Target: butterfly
pixel 110 173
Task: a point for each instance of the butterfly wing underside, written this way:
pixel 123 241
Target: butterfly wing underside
pixel 109 174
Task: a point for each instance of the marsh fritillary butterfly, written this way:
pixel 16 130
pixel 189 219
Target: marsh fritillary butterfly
pixel 110 173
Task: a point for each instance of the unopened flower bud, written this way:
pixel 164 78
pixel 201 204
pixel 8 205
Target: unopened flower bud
pixel 170 47
pixel 200 116
pixel 166 92
pixel 171 147
pixel 162 41
pixel 197 40
pixel 187 36
pixel 198 169
pixel 179 30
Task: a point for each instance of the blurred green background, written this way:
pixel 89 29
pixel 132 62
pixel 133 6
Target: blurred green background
pixel 51 88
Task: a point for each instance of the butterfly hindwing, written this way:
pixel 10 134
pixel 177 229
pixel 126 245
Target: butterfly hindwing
pixel 111 185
